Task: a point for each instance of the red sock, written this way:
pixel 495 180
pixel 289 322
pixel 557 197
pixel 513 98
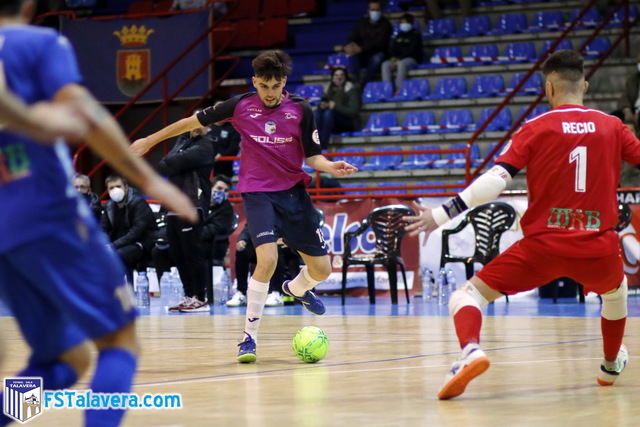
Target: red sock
pixel 612 332
pixel 468 321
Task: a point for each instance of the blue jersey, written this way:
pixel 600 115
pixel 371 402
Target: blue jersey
pixel 36 196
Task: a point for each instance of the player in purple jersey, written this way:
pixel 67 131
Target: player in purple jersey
pixel 278 134
pixel 57 276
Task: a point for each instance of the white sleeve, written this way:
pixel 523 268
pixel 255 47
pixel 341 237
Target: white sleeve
pixel 484 189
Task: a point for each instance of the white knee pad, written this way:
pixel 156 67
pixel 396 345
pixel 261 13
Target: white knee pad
pixel 614 303
pixel 467 295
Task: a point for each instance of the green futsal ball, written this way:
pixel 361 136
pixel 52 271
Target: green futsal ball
pixel 310 344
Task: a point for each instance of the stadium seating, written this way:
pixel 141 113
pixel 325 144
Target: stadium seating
pixel 382 162
pixel 520 52
pixel 440 28
pixel 449 88
pixel 312 93
pixel 539 109
pixel 356 161
pixel 532 86
pixel 618 16
pixel 511 23
pixel 451 55
pixel 473 26
pixel 549 20
pixel 338 60
pixel 487 86
pixel 378 124
pixel 486 53
pixel 564 44
pixel 597 47
pixel 412 90
pixel 502 122
pixel 458 120
pixel 416 122
pixel 589 20
pixel 377 92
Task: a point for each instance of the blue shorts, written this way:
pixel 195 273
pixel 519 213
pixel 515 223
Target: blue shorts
pixel 288 214
pixel 65 288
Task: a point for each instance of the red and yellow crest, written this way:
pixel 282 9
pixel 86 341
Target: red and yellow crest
pixel 133 66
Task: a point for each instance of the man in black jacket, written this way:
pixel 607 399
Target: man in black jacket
pixel 369 42
pixel 406 52
pixel 129 222
pixel 226 142
pixel 82 184
pixel 188 166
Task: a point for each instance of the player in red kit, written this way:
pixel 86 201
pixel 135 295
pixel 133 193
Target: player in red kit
pixel 573 157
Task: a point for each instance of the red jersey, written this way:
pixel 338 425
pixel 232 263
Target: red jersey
pixel 573 157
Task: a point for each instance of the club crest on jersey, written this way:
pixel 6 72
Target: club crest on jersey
pixel 133 65
pixel 270 127
pixel 315 136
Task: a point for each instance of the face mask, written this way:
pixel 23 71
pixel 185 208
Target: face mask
pixel 375 15
pixel 217 197
pixel 405 26
pixel 116 194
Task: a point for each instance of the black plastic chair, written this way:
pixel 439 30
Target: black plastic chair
pixel 489 222
pixel 388 227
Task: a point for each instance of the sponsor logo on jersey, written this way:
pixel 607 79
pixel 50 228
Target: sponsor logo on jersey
pixel 255 109
pixel 255 116
pixel 270 127
pixel 574 219
pixel 271 139
pixel 290 116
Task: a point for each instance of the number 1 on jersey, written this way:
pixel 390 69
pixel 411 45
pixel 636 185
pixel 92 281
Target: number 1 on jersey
pixel 579 155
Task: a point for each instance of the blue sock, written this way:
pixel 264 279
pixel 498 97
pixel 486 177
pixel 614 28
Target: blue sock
pixel 55 376
pixel 114 374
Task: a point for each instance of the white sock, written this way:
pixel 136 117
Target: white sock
pixel 256 296
pixel 302 282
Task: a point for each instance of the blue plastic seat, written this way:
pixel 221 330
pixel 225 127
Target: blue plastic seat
pixel 382 185
pixel 338 60
pixel 440 28
pixel 377 92
pixel 412 90
pixel 564 45
pixel 356 161
pixel 549 20
pixel 382 162
pixel 618 16
pixel 539 109
pixel 451 55
pixel 457 121
pixel 417 122
pixel 490 85
pixel 450 88
pixel 501 122
pixel 589 20
pixel 312 93
pixel 520 52
pixel 533 86
pixel 511 23
pixel 486 53
pixel 597 47
pixel 378 124
pixel 473 26
pixel 458 160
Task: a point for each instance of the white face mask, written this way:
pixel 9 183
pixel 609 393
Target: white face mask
pixel 116 194
pixel 405 26
pixel 375 15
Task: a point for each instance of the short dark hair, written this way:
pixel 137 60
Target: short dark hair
pixel 407 17
pixel 569 64
pixel 10 7
pixel 270 64
pixel 222 178
pixel 115 177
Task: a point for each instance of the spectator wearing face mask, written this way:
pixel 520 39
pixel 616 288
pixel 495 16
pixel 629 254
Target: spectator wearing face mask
pixel 406 52
pixel 216 226
pixel 82 184
pixel 188 166
pixel 339 108
pixel 129 222
pixel 368 43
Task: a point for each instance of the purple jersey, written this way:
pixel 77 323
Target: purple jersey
pixel 274 141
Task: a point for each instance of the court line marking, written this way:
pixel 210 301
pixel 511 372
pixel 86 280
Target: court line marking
pixel 214 378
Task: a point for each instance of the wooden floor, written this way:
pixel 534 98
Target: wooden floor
pixel 380 371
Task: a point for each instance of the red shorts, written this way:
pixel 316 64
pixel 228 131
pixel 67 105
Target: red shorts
pixel 527 265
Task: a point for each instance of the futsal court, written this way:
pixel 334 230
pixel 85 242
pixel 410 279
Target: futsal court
pixel 384 367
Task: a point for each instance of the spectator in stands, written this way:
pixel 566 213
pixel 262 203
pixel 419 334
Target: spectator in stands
pixel 226 142
pixel 435 12
pixel 406 51
pixel 339 108
pixel 369 43
pixel 629 102
pixel 82 184
pixel 246 261
pixel 188 166
pixel 129 222
pixel 217 224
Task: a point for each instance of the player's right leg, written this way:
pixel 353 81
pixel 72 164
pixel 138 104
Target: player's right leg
pixel 613 318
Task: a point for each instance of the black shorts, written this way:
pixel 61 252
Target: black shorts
pixel 288 214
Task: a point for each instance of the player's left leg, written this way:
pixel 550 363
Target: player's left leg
pixel 315 270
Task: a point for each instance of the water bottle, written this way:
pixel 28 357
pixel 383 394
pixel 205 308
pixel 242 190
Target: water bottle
pixel 428 283
pixel 142 290
pixel 443 288
pixel 177 292
pixel 222 288
pixel 451 281
pixel 165 290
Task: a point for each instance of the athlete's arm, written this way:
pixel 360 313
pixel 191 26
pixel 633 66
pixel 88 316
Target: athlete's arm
pixel 43 121
pixel 108 140
pixel 484 189
pixel 337 169
pixel 206 117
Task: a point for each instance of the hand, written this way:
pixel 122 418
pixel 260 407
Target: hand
pixel 57 121
pixel 332 105
pixel 323 105
pixel 172 198
pixel 422 222
pixel 241 245
pixel 217 156
pixel 140 147
pixel 341 168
